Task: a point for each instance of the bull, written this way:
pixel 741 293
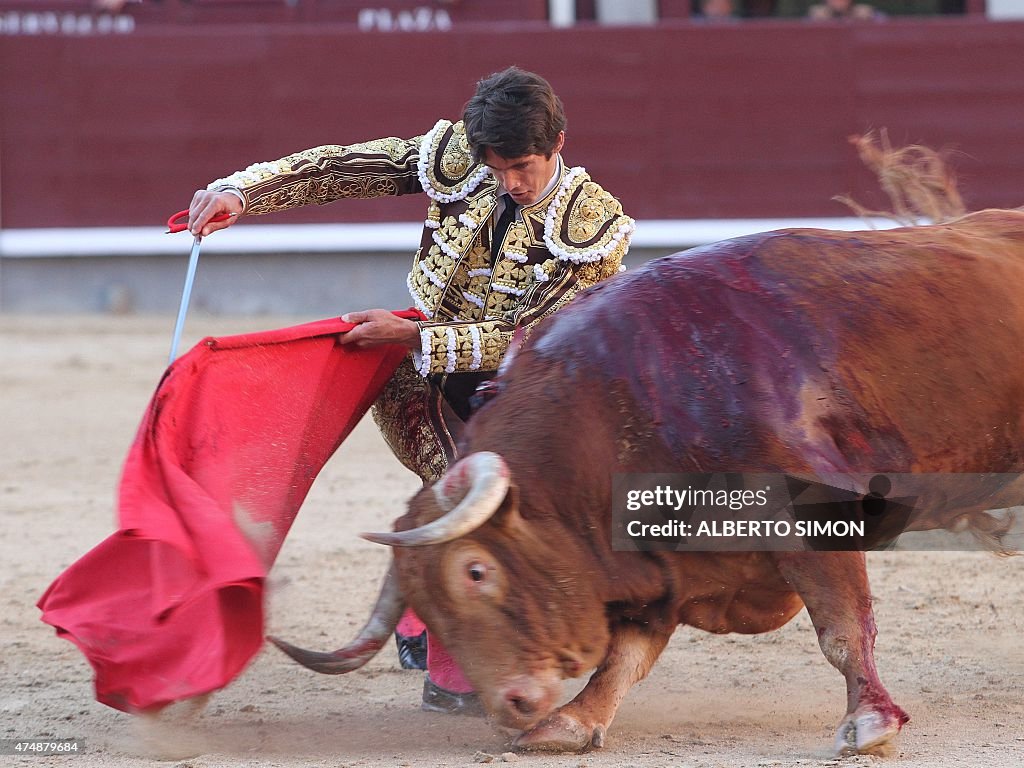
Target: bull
pixel 798 351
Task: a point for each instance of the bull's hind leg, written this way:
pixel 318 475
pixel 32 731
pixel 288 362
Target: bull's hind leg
pixel 834 587
pixel 584 721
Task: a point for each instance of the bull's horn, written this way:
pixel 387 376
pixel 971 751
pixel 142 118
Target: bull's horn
pixel 368 642
pixel 489 481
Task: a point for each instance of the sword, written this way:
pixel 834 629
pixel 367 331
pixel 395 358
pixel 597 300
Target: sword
pixel 190 275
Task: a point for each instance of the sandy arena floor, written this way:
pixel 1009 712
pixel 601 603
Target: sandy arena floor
pixel 72 390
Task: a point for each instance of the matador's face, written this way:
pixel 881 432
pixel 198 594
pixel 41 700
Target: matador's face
pixel 524 177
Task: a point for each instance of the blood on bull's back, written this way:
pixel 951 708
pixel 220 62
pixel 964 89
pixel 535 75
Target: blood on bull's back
pixel 865 351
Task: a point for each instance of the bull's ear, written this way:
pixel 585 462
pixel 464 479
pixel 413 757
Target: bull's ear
pixel 508 517
pixel 421 509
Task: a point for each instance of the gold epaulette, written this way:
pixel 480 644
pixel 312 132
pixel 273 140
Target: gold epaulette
pixel 447 171
pixel 584 223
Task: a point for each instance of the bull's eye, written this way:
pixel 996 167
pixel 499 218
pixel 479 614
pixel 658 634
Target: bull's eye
pixel 473 572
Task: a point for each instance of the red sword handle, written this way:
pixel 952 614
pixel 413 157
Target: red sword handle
pixel 173 225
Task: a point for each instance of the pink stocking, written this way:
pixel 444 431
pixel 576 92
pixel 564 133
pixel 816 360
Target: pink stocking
pixel 442 668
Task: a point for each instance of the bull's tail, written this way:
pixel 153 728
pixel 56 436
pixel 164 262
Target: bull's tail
pixel 999 534
pixel 920 184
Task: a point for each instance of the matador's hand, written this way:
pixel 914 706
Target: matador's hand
pixel 380 326
pixel 206 204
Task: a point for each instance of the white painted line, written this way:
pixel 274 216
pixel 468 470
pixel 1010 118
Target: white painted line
pixel 355 238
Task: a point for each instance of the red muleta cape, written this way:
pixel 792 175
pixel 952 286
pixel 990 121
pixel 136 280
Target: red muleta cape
pixel 171 606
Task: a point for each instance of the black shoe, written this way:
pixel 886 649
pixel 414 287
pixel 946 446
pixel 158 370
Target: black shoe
pixel 412 651
pixel 437 699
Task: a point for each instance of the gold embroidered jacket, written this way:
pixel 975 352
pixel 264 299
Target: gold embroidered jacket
pixel 565 242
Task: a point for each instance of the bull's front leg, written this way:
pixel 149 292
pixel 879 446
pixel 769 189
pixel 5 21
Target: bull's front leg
pixel 584 721
pixel 834 587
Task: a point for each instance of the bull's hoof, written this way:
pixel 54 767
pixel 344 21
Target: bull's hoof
pixel 866 732
pixel 561 733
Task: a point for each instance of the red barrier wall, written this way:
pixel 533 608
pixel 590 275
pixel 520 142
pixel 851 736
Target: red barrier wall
pixel 680 120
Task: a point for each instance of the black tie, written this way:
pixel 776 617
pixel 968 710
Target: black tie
pixel 504 222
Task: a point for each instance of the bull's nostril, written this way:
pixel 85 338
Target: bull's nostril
pixel 522 706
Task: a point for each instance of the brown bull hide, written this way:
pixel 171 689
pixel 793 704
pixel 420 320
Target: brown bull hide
pixel 799 351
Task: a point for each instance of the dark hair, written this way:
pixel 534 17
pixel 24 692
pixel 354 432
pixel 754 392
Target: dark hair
pixel 514 113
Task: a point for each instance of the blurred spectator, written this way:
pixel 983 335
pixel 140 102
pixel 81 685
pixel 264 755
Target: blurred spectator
pixel 112 6
pixel 840 10
pixel 716 11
